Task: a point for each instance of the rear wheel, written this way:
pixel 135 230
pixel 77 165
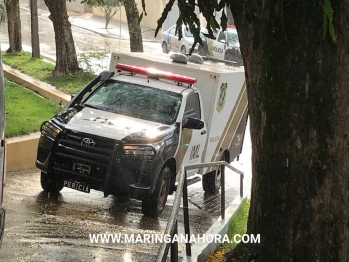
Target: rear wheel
pixel 164 48
pixel 229 56
pixel 153 205
pixel 49 184
pixel 211 182
pixel 183 50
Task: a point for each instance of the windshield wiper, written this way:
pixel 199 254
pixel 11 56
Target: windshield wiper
pixel 91 106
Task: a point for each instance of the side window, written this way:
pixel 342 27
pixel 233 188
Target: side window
pixel 192 108
pixel 173 31
pixel 222 36
pixel 187 33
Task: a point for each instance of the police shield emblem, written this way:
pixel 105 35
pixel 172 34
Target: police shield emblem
pixel 221 98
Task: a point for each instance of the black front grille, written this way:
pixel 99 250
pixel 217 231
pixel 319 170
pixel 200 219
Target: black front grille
pixel 73 148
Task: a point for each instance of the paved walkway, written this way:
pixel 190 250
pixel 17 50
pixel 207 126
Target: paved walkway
pixel 96 24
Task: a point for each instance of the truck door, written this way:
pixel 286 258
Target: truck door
pixel 219 46
pixel 193 140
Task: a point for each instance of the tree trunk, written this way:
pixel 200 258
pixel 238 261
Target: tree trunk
pixel 66 59
pixel 107 11
pixel 34 29
pixel 134 28
pixel 297 85
pixel 14 26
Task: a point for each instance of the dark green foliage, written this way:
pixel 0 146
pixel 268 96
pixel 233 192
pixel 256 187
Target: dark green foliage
pixel 189 18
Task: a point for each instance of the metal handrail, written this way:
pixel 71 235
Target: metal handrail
pixel 171 227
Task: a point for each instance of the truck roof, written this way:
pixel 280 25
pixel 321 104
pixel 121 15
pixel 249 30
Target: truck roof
pixel 213 68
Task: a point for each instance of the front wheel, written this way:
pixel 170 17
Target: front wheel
pixel 165 48
pixel 49 184
pixel 229 56
pixel 183 50
pixel 153 205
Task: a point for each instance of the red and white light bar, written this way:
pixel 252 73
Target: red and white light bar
pixel 156 73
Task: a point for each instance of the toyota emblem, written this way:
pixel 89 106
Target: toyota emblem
pixel 87 142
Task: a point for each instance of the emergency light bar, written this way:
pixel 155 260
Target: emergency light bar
pixel 156 73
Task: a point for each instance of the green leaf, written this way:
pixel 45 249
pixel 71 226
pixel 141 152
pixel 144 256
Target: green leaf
pixel 143 7
pixel 140 17
pixel 163 17
pixel 224 20
pixel 328 20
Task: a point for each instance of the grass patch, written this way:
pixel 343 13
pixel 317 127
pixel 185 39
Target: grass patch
pixel 237 225
pixel 25 110
pixel 42 70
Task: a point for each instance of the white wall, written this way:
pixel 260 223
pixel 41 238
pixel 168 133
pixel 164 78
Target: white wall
pixel 75 6
pixel 154 11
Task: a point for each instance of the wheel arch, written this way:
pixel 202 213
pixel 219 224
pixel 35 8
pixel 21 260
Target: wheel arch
pixel 171 163
pixel 226 155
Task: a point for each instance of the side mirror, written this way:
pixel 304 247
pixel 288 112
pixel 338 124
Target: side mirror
pixel 72 95
pixel 222 41
pixel 193 123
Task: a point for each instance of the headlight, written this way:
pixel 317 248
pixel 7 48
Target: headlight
pixel 138 150
pixel 50 130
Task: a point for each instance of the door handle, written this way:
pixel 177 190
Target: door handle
pixel 203 132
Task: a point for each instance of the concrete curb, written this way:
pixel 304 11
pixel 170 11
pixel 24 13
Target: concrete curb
pixel 200 251
pixel 37 86
pixel 21 152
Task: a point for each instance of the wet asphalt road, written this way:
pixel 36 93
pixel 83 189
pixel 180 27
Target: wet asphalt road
pixel 40 227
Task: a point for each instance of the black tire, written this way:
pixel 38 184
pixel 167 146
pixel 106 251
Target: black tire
pixel 202 50
pixel 229 56
pixel 164 48
pixel 153 205
pixel 211 182
pixel 49 184
pixel 183 50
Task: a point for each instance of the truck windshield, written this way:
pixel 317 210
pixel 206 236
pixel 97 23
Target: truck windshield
pixel 136 101
pixel 232 36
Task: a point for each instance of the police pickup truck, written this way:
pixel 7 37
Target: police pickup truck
pixel 224 46
pixel 128 131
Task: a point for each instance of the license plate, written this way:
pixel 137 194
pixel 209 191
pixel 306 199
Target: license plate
pixel 77 186
pixel 82 168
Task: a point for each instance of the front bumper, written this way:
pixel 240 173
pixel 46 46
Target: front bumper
pixel 138 192
pixel 108 170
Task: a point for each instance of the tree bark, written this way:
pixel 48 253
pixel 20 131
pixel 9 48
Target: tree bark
pixel 34 29
pixel 297 84
pixel 134 28
pixel 14 26
pixel 66 59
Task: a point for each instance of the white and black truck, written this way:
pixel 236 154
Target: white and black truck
pixel 128 131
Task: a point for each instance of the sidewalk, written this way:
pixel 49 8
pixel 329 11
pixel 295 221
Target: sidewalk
pixel 96 24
